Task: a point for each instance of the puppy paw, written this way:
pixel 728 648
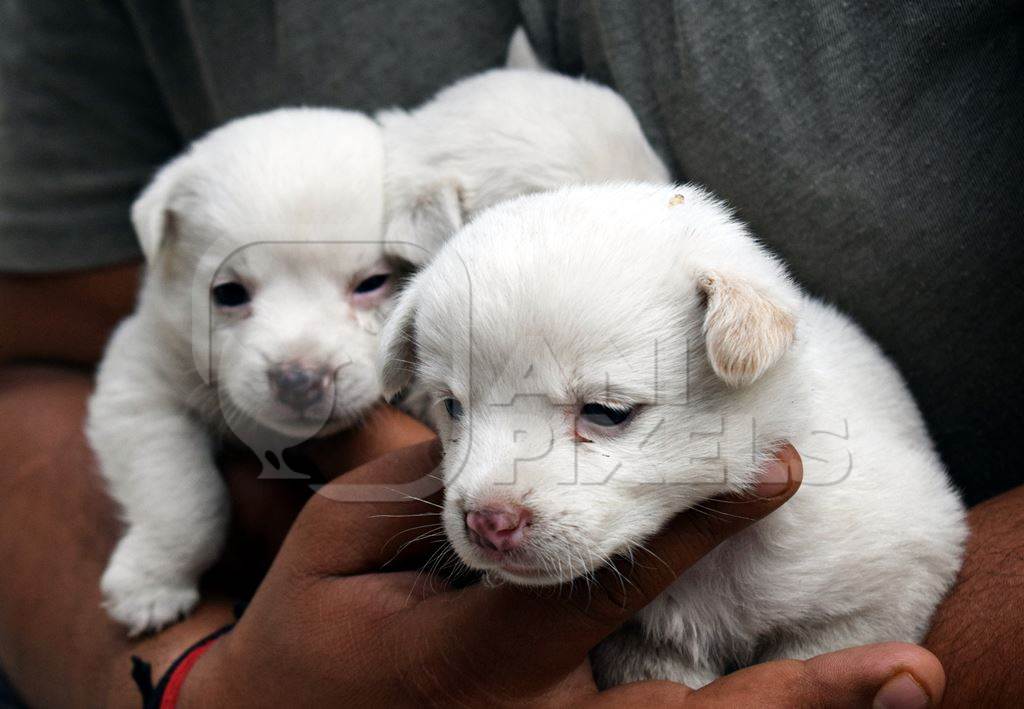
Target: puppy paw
pixel 144 603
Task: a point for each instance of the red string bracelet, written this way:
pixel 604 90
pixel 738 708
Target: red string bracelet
pixel 165 695
pixel 169 700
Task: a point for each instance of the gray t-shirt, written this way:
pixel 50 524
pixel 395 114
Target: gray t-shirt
pixel 877 147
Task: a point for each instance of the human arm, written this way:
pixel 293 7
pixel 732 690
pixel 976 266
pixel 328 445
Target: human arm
pixel 64 317
pixel 976 630
pixel 58 527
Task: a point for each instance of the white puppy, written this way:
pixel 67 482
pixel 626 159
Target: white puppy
pixel 605 357
pixel 265 281
pixel 501 134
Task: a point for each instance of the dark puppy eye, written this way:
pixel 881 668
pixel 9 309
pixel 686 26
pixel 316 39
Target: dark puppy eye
pixel 230 295
pixel 372 283
pixel 601 415
pixel 454 408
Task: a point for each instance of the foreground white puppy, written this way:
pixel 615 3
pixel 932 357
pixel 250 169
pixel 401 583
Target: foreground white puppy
pixel 265 281
pixel 605 357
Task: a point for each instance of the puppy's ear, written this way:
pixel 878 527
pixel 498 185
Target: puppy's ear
pixel 151 213
pixel 747 329
pixel 521 54
pixel 396 354
pixel 416 231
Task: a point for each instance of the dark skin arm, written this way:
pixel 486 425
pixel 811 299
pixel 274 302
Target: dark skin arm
pixel 64 317
pixel 59 526
pixel 51 624
pixel 977 630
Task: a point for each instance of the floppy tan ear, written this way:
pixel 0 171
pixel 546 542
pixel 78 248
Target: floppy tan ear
pixel 746 330
pixel 396 354
pixel 151 214
pixel 416 231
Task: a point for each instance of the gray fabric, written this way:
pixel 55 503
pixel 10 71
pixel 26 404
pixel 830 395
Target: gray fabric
pixel 95 95
pixel 877 146
pixel 81 128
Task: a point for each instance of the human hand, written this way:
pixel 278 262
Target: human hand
pixel 263 509
pixel 327 627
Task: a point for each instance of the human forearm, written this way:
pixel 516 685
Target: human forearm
pixel 64 317
pixel 58 526
pixel 977 630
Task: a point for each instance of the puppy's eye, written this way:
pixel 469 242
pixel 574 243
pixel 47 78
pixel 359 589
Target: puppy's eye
pixel 372 283
pixel 601 415
pixel 230 295
pixel 454 408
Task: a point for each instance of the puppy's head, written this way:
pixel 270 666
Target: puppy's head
pixel 501 134
pixel 265 257
pixel 601 358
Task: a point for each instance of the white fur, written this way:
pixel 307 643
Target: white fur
pixel 290 203
pixel 497 135
pixel 500 134
pixel 521 54
pixel 656 297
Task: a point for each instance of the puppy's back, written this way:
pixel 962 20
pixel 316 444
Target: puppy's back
pixel 508 132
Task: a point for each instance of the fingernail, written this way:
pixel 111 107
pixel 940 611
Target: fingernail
pixel 901 692
pixel 774 480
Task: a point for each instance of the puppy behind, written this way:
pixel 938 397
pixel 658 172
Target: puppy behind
pixel 498 135
pixel 501 134
pixel 602 358
pixel 259 311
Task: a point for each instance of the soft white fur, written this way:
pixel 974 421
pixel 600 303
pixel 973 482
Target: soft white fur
pixel 521 54
pixel 501 134
pixel 496 135
pixel 657 297
pixel 290 203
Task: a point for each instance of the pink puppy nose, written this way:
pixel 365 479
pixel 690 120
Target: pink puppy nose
pixel 499 528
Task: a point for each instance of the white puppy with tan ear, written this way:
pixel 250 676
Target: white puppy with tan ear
pixel 605 357
pixel 264 287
